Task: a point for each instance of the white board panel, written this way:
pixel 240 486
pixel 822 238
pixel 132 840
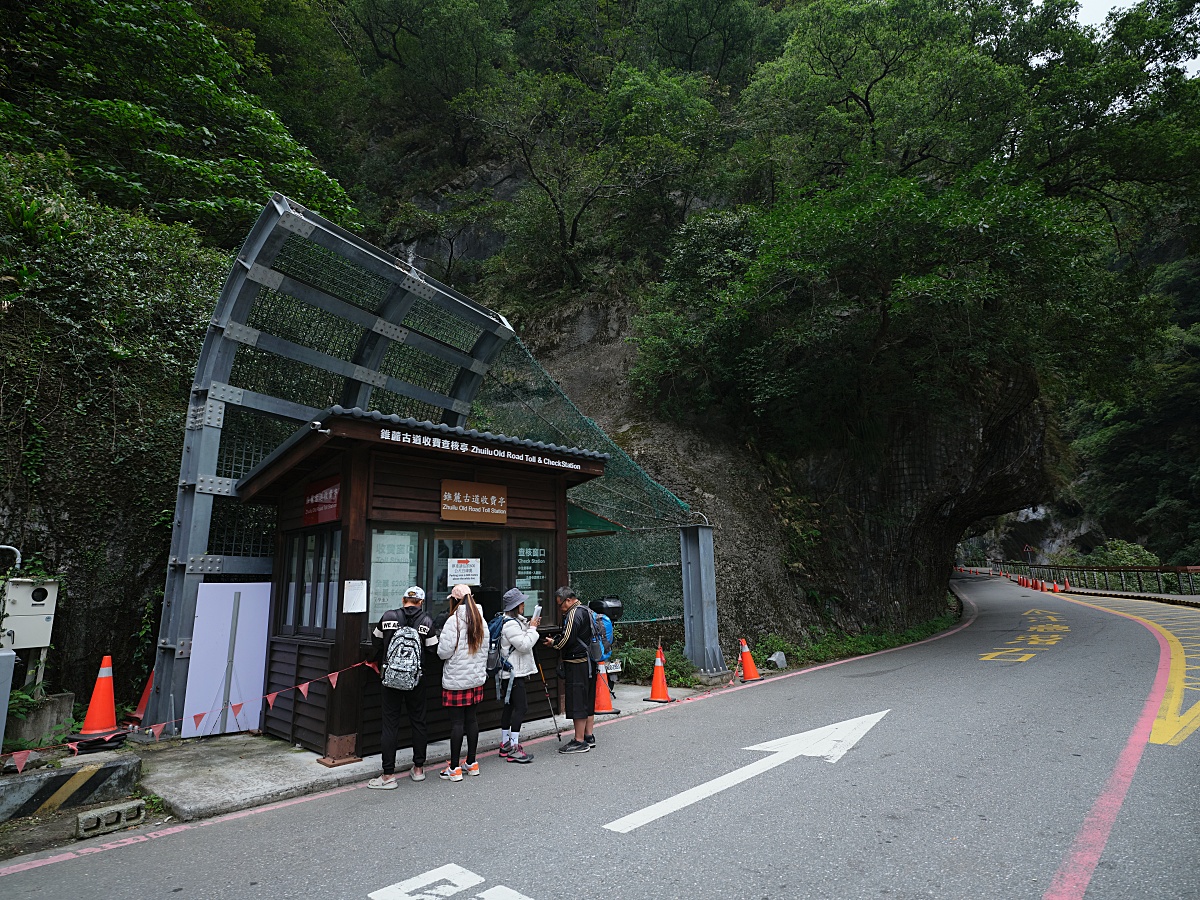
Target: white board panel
pixel 210 657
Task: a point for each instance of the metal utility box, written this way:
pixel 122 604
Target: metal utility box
pixel 28 607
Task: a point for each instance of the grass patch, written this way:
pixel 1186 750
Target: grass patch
pixel 637 665
pixel 842 646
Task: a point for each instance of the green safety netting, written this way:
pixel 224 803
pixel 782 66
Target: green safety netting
pixel 640 562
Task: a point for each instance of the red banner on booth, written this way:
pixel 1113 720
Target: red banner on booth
pixel 323 501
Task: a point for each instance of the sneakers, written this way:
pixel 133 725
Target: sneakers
pixel 574 746
pixel 415 775
pixel 382 784
pixel 518 755
pixel 590 740
pixel 506 748
pixel 448 774
pixel 471 768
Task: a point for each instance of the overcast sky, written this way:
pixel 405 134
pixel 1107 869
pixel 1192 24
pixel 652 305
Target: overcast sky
pixel 1092 12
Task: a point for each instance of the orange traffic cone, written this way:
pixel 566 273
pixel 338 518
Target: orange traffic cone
pixel 749 670
pixel 1055 587
pixel 604 703
pixel 101 716
pixel 135 717
pixel 1066 584
pixel 658 687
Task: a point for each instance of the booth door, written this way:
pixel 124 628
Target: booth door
pixel 451 546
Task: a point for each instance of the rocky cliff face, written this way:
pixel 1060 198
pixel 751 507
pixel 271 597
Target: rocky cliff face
pixel 585 348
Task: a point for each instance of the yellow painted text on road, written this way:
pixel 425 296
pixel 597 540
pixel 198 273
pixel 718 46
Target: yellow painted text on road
pixel 1044 628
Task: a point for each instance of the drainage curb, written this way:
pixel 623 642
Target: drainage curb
pixel 46 790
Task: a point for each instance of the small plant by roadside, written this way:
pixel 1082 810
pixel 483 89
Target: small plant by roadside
pixel 637 665
pixel 155 805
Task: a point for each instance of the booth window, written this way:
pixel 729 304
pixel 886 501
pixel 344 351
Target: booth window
pixel 311 576
pixel 535 569
pixel 393 568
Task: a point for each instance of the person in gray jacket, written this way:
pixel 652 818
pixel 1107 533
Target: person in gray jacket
pixel 517 639
pixel 464 647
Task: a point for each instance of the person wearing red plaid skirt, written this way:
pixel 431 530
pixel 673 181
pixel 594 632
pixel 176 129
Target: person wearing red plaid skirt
pixel 463 647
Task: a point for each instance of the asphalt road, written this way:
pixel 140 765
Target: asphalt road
pixel 1041 749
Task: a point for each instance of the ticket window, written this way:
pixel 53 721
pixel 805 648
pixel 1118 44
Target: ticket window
pixel 472 557
pixel 395 558
pixel 534 572
pixel 490 561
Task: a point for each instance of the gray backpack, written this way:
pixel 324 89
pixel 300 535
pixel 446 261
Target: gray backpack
pixel 402 668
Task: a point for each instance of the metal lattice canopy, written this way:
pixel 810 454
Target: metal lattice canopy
pixel 312 317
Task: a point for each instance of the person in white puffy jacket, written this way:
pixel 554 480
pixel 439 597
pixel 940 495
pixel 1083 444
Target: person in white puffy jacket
pixel 518 636
pixel 464 647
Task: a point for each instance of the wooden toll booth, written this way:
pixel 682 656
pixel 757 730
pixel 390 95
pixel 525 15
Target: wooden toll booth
pixel 369 505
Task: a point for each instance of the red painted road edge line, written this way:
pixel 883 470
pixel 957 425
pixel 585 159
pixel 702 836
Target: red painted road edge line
pixel 241 814
pixel 1073 876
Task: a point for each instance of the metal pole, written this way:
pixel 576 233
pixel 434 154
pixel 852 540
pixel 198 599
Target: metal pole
pixel 237 602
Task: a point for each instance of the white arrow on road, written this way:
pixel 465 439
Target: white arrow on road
pixel 830 742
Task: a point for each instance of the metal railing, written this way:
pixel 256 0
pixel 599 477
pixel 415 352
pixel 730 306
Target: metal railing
pixel 1180 580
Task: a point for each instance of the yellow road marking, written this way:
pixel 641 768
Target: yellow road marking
pixel 55 800
pixel 1172 725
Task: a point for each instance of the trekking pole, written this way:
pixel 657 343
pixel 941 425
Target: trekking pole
pixel 549 703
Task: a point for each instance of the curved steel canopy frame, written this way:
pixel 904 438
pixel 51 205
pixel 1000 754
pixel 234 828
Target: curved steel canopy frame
pixel 442 344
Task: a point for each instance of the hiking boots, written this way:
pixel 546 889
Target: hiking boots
pixel 518 755
pixel 506 748
pixel 448 774
pixel 574 746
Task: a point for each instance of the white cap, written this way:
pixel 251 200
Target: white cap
pixel 416 592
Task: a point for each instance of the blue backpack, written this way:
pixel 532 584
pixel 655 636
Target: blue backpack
pixel 600 647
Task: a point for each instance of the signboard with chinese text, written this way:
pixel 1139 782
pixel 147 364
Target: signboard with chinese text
pixel 462 571
pixel 323 501
pixel 476 450
pixel 470 501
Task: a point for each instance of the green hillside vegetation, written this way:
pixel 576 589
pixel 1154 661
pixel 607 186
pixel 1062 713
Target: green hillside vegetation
pixel 906 251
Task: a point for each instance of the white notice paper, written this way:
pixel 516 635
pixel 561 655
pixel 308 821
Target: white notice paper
pixel 462 571
pixel 354 597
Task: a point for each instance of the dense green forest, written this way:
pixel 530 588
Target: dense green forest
pixel 930 260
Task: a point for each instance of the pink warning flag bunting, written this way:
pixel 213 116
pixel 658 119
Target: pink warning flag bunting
pixel 332 676
pixel 74 745
pixel 271 700
pixel 304 688
pixel 20 757
pixel 157 730
pixel 237 709
pixel 199 717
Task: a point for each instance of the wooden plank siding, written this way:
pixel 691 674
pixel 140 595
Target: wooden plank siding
pixel 293 717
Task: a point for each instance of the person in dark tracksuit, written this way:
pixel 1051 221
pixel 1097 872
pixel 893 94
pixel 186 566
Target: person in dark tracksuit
pixel 411 613
pixel 578 671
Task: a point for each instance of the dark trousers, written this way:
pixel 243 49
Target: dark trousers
pixel 393 702
pixel 514 710
pixel 463 719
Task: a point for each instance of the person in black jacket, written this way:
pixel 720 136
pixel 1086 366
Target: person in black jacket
pixel 411 614
pixel 579 673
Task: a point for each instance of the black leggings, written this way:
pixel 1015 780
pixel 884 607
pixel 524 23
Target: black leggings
pixel 513 714
pixel 463 718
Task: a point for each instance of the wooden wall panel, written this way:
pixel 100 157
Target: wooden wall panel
pixel 293 717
